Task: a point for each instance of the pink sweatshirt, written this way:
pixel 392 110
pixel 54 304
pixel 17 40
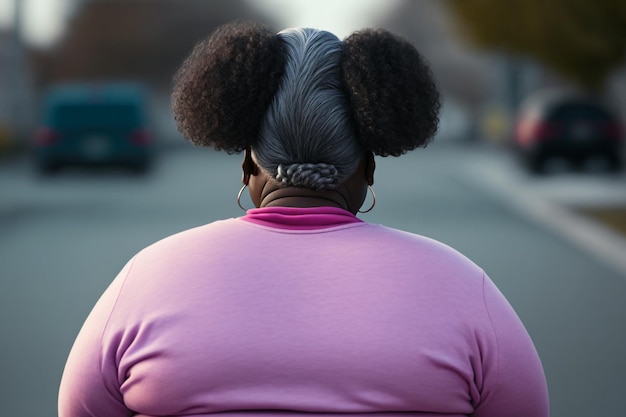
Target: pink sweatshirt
pixel 291 311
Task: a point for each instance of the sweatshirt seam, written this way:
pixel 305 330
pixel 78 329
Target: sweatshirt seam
pixel 494 332
pixel 108 321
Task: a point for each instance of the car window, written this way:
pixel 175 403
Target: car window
pixel 579 111
pixel 103 115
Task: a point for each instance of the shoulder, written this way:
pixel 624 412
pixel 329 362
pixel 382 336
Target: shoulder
pixel 422 249
pixel 193 238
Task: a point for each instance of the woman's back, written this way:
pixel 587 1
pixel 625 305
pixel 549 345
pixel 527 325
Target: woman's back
pixel 346 317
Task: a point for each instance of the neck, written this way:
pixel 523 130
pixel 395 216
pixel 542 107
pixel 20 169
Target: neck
pixel 303 198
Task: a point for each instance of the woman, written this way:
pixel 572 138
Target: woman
pixel 299 306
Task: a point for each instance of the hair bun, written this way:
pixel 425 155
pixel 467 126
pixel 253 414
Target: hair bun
pixel 225 85
pixel 393 97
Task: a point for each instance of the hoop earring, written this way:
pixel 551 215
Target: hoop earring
pixel 239 197
pixel 373 200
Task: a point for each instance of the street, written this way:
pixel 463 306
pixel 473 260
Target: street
pixel 63 239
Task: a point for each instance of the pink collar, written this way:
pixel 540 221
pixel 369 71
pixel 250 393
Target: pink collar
pixel 295 218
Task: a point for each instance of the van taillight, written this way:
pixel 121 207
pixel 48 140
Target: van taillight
pixel 140 138
pixel 46 137
pixel 544 130
pixel 528 132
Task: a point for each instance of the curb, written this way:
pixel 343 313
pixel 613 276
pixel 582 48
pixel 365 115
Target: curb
pixel 595 238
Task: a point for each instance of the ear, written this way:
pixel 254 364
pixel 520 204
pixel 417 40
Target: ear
pixel 248 166
pixel 370 167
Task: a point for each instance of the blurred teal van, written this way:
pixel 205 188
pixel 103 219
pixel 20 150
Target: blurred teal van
pixel 99 124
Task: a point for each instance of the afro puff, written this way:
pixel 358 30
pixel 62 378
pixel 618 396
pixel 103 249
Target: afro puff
pixel 393 97
pixel 224 87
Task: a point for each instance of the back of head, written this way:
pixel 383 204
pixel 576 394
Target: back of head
pixel 308 138
pixel 307 104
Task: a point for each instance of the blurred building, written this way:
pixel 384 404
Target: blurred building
pixel 139 39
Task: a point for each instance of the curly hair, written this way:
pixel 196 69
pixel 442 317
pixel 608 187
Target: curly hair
pixel 224 87
pixel 393 96
pixel 307 104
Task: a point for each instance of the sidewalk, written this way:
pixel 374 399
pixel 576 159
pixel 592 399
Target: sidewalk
pixel 588 208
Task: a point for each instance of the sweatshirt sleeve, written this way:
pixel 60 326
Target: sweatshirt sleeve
pixel 89 387
pixel 517 385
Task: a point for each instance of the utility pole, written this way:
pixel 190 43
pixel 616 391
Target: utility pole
pixel 17 84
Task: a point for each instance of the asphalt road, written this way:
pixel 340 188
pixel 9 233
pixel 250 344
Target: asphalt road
pixel 63 238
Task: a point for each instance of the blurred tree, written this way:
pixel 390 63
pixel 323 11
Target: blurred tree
pixel 134 39
pixel 581 39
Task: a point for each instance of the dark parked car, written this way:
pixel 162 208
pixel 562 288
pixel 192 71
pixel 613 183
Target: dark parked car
pixel 94 125
pixel 572 127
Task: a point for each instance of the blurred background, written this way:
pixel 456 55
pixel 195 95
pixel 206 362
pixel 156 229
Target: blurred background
pixel 526 175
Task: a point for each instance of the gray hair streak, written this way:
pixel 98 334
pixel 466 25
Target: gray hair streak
pixel 307 137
